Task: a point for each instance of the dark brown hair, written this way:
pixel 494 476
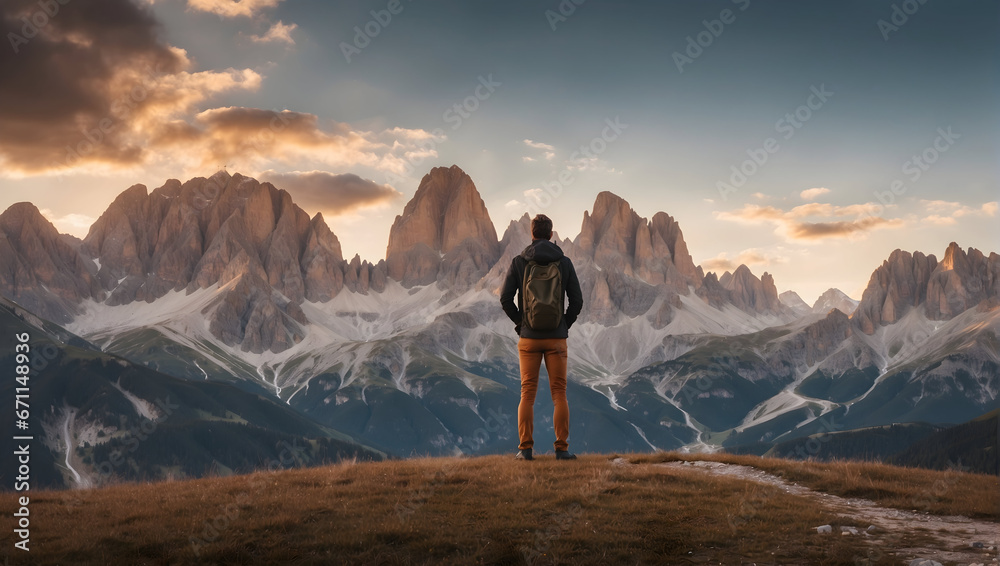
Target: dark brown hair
pixel 541 227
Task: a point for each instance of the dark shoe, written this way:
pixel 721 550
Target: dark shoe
pixel 524 454
pixel 565 455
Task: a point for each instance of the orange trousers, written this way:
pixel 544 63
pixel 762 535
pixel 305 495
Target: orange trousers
pixel 531 351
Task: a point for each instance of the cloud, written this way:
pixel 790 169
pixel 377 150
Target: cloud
pixel 254 138
pixel 939 205
pixel 328 192
pixel 940 220
pixel 748 257
pixel 75 72
pixel 841 229
pixel 539 145
pixel 72 223
pixel 232 8
pixel 549 152
pixel 592 163
pixel 813 194
pixel 793 224
pixel 946 213
pixel 759 196
pixel 91 93
pixel 279 33
pixel 534 195
pixel 84 91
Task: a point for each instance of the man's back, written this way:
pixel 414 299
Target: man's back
pixel 541 251
pixel 537 344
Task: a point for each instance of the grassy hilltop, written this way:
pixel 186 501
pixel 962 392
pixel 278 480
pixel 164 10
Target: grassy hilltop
pixel 631 509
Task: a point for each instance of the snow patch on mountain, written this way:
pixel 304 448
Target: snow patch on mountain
pixel 145 409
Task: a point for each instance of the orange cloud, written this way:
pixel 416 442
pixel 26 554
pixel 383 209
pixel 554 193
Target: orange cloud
pixel 793 224
pixel 813 194
pixel 249 138
pixel 278 33
pixel 946 213
pixel 232 8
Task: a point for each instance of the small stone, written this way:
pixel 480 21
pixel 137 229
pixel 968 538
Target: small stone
pixel 848 530
pixel 924 562
pixel 977 545
pixel 824 529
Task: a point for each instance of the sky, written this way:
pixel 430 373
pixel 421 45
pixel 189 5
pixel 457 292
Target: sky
pixel 805 139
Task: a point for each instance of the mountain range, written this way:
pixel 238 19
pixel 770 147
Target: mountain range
pixel 225 281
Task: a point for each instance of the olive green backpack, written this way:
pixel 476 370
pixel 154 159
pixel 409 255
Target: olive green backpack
pixel 543 295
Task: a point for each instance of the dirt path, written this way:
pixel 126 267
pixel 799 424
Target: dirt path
pixel 953 535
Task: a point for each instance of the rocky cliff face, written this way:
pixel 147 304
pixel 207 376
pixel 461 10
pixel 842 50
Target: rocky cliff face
pixel 627 262
pixel 898 285
pixel 820 339
pixel 743 290
pixel 516 237
pixel 41 270
pixel 230 230
pixel 615 238
pixel 962 280
pixel 444 234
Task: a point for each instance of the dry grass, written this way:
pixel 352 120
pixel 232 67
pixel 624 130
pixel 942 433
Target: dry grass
pixel 911 489
pixel 486 510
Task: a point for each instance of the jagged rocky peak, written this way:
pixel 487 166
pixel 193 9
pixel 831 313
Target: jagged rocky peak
pixel 616 238
pixel 750 294
pixel 39 268
pixel 363 276
pixel 230 230
pixel 516 237
pixel 712 291
pixel 322 262
pixel 444 234
pixel 663 228
pixel 963 280
pixel 792 300
pixel 834 299
pixel 895 287
pixel 198 234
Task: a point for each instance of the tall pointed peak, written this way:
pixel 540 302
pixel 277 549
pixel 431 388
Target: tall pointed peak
pixel 951 255
pixel 21 213
pixel 446 215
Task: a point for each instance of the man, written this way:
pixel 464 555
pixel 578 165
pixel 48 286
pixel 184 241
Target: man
pixel 548 339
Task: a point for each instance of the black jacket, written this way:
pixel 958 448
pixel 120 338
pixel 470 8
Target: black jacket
pixel 542 251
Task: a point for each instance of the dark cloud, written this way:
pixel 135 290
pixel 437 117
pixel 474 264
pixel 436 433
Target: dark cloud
pixel 843 229
pixel 91 82
pixel 69 75
pixel 338 194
